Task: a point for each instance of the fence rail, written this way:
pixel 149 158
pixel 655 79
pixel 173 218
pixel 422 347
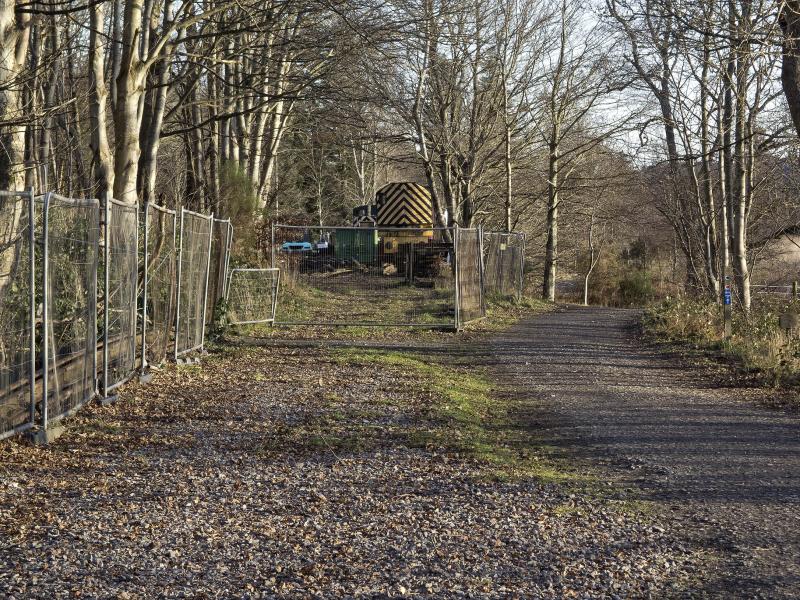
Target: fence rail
pixel 788 291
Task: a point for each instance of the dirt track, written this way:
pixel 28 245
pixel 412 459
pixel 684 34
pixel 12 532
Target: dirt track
pixel 726 467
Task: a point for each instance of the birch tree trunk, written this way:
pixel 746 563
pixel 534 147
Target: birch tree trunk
pixel 551 247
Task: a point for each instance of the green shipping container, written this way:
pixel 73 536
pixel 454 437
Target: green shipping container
pixel 358 244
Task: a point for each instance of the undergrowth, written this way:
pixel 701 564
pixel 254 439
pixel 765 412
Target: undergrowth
pixel 757 346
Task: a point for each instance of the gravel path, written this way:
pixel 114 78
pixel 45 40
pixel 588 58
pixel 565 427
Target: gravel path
pixel 281 472
pixel 725 466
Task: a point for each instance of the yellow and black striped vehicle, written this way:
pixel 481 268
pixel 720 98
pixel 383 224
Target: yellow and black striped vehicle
pixel 404 205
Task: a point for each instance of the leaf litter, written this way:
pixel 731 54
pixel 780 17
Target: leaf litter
pixel 283 472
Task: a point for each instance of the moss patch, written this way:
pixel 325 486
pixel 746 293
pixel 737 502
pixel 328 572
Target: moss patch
pixel 465 415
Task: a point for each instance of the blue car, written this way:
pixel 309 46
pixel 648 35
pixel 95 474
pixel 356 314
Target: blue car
pixel 297 247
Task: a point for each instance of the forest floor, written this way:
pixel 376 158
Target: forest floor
pixel 559 457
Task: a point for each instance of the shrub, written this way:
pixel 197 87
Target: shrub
pixel 635 288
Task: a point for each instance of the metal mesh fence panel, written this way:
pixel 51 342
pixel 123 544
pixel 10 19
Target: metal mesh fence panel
pixel 70 233
pixel 17 302
pixel 252 295
pixel 504 263
pixel 120 293
pixel 220 257
pixel 193 274
pixel 469 275
pixel 364 276
pixel 784 291
pixel 160 283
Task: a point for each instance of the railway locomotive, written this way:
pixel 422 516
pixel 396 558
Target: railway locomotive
pixel 400 206
pixel 394 236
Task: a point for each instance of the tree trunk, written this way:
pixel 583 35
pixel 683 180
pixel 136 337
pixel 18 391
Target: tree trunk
pixel 551 249
pixel 790 69
pixel 130 88
pixel 98 98
pixel 14 35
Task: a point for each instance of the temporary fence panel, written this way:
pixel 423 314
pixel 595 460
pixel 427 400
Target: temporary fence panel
pixel 504 264
pixel 252 296
pixel 194 259
pixel 785 291
pixel 69 236
pixel 159 283
pixel 120 294
pixel 17 313
pixel 220 259
pixel 364 276
pixel 469 275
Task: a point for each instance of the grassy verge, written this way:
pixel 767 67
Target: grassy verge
pixel 466 416
pixel 501 313
pixel 757 349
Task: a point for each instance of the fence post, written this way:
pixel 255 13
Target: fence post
pixel 272 247
pixel 178 294
pixel 794 290
pixel 227 261
pixel 480 269
pixel 456 279
pixel 145 282
pixel 32 299
pixel 45 310
pixel 106 285
pixel 205 293
pixel 521 289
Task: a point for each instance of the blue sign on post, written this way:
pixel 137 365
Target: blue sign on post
pixel 727 295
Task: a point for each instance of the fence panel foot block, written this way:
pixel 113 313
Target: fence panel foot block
pixel 43 437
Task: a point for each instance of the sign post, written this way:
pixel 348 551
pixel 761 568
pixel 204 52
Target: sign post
pixel 726 308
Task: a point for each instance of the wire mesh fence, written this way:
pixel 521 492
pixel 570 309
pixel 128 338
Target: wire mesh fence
pixel 50 300
pixel 120 269
pixel 220 259
pixel 194 259
pixel 17 313
pixel 504 264
pixel 159 283
pixel 252 296
pixel 364 276
pixel 70 235
pixel 784 291
pixel 469 275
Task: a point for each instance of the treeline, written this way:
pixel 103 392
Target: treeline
pixel 592 127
